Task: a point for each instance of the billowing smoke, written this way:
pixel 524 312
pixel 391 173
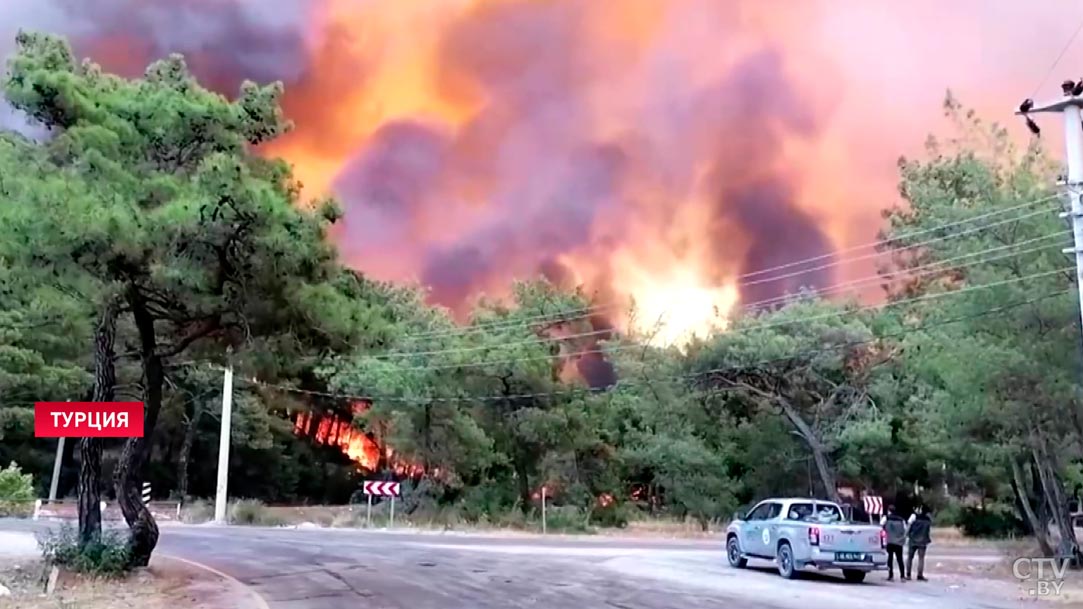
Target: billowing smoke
pixel 652 150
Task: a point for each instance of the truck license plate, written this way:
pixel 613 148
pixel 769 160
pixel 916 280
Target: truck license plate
pixel 849 557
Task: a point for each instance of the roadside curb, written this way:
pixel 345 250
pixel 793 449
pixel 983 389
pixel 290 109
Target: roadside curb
pixel 260 602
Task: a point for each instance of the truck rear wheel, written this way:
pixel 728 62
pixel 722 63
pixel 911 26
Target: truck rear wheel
pixel 733 553
pixel 786 568
pixel 853 576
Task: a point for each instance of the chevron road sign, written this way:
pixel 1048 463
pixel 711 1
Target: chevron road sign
pixel 874 504
pixel 382 489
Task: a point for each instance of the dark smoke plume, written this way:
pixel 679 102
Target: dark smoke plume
pixel 527 185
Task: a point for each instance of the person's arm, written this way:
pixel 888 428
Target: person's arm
pixel 883 520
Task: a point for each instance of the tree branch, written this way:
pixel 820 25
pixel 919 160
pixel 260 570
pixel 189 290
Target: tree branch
pixel 207 329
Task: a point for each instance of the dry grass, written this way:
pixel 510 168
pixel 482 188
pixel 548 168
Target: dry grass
pixel 166 584
pixel 667 528
pixel 953 537
pixel 323 515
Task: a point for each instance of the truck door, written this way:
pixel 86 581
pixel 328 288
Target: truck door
pixel 769 536
pixel 752 531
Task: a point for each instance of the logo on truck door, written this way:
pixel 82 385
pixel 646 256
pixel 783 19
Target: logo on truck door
pixel 766 537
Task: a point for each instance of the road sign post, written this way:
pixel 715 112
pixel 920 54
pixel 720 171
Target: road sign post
pixel 368 514
pixel 381 489
pixel 543 511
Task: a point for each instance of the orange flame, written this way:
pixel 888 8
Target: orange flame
pixel 332 431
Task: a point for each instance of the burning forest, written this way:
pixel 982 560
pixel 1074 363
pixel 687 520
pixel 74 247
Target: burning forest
pixel 653 151
pixel 648 152
pixel 660 153
pixel 330 429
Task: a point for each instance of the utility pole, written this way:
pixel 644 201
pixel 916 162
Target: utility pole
pixel 223 447
pixel 56 469
pixel 1070 106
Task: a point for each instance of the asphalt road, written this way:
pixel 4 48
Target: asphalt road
pixel 335 568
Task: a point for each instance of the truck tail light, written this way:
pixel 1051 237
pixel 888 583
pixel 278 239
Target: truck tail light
pixel 883 538
pixel 814 536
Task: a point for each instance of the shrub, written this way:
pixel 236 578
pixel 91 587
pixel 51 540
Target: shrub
pixel 16 492
pixel 613 515
pixel 992 523
pixel 510 519
pixel 485 503
pixel 253 512
pixel 950 515
pixel 346 520
pixel 105 556
pixel 568 518
pixel 197 512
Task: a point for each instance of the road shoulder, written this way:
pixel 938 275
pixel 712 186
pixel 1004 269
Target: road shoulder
pixel 169 583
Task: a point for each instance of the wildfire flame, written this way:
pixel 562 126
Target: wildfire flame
pixel 333 431
pixel 472 153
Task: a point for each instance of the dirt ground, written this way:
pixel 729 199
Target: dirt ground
pixel 166 584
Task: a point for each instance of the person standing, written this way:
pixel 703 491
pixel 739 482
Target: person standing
pixel 919 536
pixel 895 534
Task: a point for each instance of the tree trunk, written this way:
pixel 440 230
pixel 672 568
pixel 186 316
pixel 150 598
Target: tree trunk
pixel 524 483
pixel 128 477
pixel 819 453
pixel 1041 532
pixel 90 449
pixel 1058 501
pixel 186 450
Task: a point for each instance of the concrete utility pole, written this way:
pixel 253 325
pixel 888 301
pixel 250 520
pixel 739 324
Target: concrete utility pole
pixel 1070 106
pixel 56 469
pixel 223 447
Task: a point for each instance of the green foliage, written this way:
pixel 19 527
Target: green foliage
pixel 105 556
pixel 567 519
pixel 615 515
pixel 993 522
pixel 949 515
pixel 16 492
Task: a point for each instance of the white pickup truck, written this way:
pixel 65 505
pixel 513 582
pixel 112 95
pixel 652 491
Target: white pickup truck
pixel 801 533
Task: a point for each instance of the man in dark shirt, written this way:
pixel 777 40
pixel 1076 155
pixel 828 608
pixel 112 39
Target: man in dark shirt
pixel 919 537
pixel 895 533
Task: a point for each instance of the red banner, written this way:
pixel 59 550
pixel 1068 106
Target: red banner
pixel 88 420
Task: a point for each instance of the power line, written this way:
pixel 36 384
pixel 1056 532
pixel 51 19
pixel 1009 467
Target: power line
pixel 901 249
pixel 909 273
pixel 753 328
pixel 897 334
pixel 1056 62
pixel 586 312
pixel 630 383
pixel 939 266
pixel 909 235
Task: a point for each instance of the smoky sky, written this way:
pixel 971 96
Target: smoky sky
pixel 754 108
pixel 527 180
pixel 551 187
